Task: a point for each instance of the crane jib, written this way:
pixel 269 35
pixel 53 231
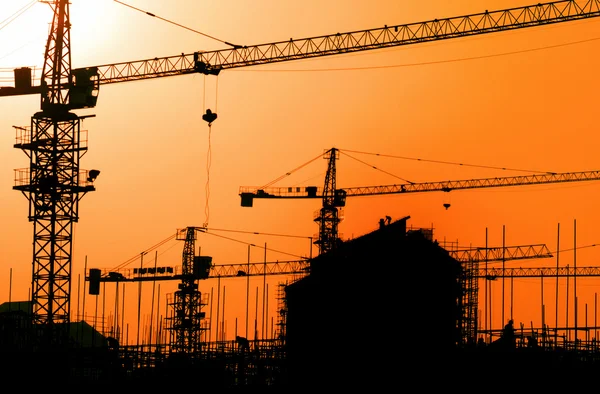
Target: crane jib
pixel 248 193
pixel 212 62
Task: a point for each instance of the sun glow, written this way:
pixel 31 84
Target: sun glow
pixel 25 27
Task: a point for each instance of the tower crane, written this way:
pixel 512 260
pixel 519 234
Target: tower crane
pixel 334 198
pixel 184 323
pixel 54 184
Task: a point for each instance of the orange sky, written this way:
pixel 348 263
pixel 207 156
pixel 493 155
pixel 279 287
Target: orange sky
pixel 523 100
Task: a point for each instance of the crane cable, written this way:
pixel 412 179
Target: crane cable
pixel 209 117
pixel 290 172
pixel 5 23
pixel 137 256
pixel 443 162
pixel 177 24
pixel 12 18
pixel 378 169
pixel 257 246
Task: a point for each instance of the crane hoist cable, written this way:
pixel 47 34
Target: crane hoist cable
pixel 207 187
pixel 209 117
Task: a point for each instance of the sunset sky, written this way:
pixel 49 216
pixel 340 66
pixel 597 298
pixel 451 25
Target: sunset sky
pixel 496 105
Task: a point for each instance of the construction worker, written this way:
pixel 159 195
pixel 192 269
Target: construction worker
pixel 508 334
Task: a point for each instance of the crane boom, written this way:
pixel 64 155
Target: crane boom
pixel 248 192
pixel 212 62
pixel 492 254
pixel 215 271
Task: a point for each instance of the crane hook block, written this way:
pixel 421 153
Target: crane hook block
pixel 209 116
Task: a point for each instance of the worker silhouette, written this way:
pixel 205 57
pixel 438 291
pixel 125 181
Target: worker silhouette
pixel 508 334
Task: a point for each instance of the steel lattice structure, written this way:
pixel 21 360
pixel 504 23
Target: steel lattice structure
pixel 419 187
pixel 292 267
pixel 54 184
pixel 213 62
pixel 328 218
pixel 540 272
pixel 186 321
pixel 491 254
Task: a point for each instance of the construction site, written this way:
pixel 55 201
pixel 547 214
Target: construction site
pixel 306 322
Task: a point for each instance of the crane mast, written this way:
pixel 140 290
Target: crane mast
pixel 185 323
pixel 54 183
pixel 54 142
pixel 328 218
pixel 57 60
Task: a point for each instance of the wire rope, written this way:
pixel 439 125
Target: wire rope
pixel 290 172
pixel 14 16
pixel 447 162
pixel 177 24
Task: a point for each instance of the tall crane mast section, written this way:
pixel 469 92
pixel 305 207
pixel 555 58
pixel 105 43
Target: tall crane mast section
pixel 328 218
pixel 54 183
pixel 185 323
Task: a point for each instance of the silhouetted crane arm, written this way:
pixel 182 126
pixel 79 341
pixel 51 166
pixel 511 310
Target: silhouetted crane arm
pixel 301 267
pixel 540 272
pixel 216 271
pixel 494 254
pixel 248 193
pixel 212 62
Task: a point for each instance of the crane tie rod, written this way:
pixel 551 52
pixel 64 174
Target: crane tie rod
pixel 443 162
pixel 177 24
pixel 290 172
